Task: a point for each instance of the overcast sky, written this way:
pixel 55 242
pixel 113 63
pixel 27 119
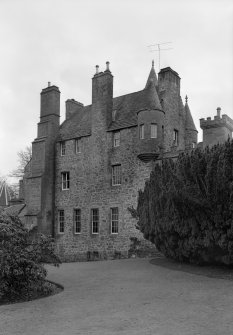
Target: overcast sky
pixel 61 41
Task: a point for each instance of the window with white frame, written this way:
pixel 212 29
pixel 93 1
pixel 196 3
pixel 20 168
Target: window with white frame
pixel 61 221
pixel 78 145
pixel 141 131
pixel 77 221
pixel 116 174
pixel 153 130
pixel 175 137
pixel 95 220
pixel 65 180
pixel 114 220
pixel 116 139
pixel 63 148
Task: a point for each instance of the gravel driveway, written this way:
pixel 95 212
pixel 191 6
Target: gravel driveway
pixel 131 297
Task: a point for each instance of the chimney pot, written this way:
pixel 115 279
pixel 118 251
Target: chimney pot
pixel 218 111
pixel 49 83
pixel 107 66
pixel 97 69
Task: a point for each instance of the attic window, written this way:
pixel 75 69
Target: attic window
pixel 175 137
pixel 114 114
pixel 63 148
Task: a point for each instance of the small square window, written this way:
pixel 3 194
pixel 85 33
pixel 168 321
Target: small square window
pixel 153 130
pixel 175 137
pixel 65 180
pixel 116 174
pixel 95 220
pixel 63 148
pixel 77 145
pixel 114 220
pixel 141 131
pixel 77 221
pixel 61 221
pixel 116 139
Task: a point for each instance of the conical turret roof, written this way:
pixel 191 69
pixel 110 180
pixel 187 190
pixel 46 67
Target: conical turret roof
pixel 189 124
pixel 151 97
pixel 4 195
pixel 152 77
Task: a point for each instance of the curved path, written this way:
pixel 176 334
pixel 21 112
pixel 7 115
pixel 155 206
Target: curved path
pixel 131 297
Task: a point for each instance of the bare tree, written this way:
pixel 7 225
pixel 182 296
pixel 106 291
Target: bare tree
pixel 24 157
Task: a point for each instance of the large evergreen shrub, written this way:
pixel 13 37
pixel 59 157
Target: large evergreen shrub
pixel 21 261
pixel 186 208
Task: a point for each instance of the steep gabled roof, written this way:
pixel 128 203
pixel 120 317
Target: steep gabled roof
pixel 125 107
pixel 4 195
pixel 128 105
pixel 189 124
pixel 77 126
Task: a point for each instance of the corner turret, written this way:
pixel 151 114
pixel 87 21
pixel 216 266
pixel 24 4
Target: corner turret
pixel 217 130
pixel 150 122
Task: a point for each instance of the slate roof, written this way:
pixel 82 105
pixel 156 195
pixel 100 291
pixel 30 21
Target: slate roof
pixel 77 125
pixel 4 195
pixel 189 124
pixel 152 77
pixel 15 209
pixel 126 107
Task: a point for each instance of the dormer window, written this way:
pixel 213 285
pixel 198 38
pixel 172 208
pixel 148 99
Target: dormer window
pixel 116 139
pixel 63 148
pixel 175 137
pixel 141 131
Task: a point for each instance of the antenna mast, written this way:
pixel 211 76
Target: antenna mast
pixel 157 45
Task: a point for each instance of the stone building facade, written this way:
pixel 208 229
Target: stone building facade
pixel 86 172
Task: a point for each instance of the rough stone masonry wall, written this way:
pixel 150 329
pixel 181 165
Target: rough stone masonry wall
pixel 91 187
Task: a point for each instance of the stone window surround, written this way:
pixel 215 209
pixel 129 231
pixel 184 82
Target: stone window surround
pixel 142 131
pixel 61 221
pixel 95 221
pixel 116 174
pixel 77 144
pixel 77 221
pixel 175 137
pixel 153 130
pixel 114 220
pixel 65 180
pixel 63 148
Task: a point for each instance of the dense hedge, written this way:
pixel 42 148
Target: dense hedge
pixel 186 208
pixel 22 274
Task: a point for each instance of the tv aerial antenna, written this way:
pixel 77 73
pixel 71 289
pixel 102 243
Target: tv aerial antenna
pixel 156 48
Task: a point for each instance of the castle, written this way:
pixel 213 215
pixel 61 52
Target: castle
pixel 86 172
